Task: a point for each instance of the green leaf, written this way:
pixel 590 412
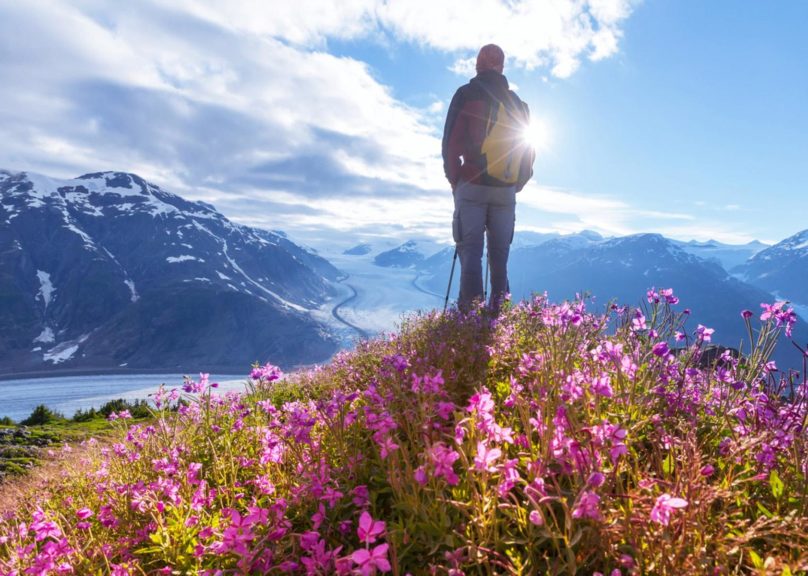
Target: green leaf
pixel 668 464
pixel 776 484
pixel 763 510
pixel 757 561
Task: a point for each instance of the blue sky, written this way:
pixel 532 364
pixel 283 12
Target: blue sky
pixel 324 118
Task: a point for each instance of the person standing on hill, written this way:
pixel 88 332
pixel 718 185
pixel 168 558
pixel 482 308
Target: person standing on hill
pixel 487 160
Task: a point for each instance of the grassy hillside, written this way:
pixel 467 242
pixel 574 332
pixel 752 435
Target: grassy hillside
pixel 550 440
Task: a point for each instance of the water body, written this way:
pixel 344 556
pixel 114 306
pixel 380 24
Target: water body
pixel 67 394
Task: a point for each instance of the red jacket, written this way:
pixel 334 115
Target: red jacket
pixel 466 126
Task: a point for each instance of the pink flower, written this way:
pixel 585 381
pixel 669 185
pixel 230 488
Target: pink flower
pixel 602 386
pixel 368 561
pixel 484 460
pixel 587 506
pixel 369 529
pixel 665 504
pixel 84 513
pixel 420 475
pixel 386 445
pixel 360 496
pixel 661 349
pixel 445 410
pixel 46 529
pixel 596 479
pixel 443 459
pixel 667 293
pixel 266 373
pixel 704 333
pixel 638 323
pixel 535 518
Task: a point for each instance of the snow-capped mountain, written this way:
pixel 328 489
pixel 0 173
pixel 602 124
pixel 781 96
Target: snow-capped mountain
pixel 727 255
pixel 407 255
pixel 108 270
pixel 783 268
pixel 359 250
pixel 623 269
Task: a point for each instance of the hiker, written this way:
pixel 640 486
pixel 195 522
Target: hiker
pixel 487 160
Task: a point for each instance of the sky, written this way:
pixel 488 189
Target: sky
pixel 323 118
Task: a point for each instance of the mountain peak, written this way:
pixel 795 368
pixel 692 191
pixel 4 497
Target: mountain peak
pixel 119 180
pixel 109 267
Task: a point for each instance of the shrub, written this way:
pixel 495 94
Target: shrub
pixel 42 415
pixel 85 415
pixel 549 440
pixel 136 408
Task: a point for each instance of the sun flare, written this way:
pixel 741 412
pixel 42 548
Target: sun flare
pixel 537 134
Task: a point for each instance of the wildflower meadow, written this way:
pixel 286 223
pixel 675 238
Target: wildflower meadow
pixel 551 439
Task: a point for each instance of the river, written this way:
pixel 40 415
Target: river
pixel 66 394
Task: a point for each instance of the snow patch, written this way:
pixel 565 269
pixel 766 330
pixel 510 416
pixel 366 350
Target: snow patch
pixel 45 189
pixel 81 200
pixel 46 288
pixel 88 242
pixel 61 353
pixel 46 337
pixel 135 297
pixel 183 258
pixel 126 207
pixel 222 276
pixel 238 269
pixel 64 351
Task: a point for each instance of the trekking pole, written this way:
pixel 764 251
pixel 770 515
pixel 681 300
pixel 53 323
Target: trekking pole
pixel 485 284
pixel 451 274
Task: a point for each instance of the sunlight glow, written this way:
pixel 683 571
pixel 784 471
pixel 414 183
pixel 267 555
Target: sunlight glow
pixel 537 134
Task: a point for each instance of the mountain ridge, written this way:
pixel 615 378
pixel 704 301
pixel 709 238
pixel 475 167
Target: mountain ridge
pixel 110 270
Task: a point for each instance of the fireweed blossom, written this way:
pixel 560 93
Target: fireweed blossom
pixel 665 504
pixel 703 333
pixel 369 529
pixel 436 447
pixel 372 559
pixel 486 457
pixel 780 314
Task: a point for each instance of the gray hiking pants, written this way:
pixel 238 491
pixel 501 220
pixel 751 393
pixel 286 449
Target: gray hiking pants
pixel 483 210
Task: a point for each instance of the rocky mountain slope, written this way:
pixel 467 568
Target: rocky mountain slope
pixel 782 268
pixel 110 271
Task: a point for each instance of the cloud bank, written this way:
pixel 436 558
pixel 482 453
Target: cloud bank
pixel 241 103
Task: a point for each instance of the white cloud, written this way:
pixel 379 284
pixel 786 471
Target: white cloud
pixel 549 209
pixel 465 67
pixel 436 107
pixel 241 103
pixel 606 215
pixel 533 33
